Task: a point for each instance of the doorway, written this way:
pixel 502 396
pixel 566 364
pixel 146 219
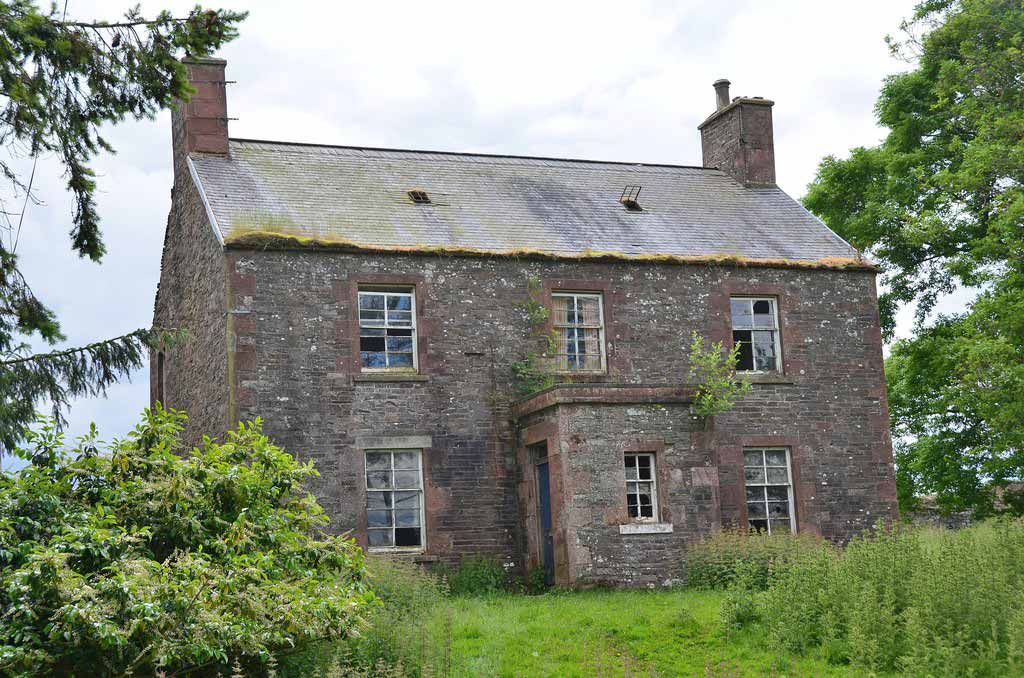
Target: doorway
pixel 547 539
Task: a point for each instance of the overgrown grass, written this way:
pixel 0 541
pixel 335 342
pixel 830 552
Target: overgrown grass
pixel 914 602
pixel 932 602
pixel 718 561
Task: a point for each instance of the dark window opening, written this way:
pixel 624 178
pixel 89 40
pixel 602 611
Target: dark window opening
pixel 755 329
pixel 160 377
pixel 419 197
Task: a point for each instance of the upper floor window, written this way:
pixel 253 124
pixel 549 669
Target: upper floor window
pixel 755 329
pixel 641 488
pixel 387 329
pixel 769 490
pixel 394 499
pixel 578 320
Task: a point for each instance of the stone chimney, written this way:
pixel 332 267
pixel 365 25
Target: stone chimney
pixel 737 138
pixel 201 125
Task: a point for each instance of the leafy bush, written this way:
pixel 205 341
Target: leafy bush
pixel 715 562
pixel 399 635
pixel 476 576
pixel 739 607
pixel 930 602
pixel 139 560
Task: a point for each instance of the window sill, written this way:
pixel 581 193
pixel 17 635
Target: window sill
pixel 417 554
pixel 646 528
pixel 766 378
pixel 389 376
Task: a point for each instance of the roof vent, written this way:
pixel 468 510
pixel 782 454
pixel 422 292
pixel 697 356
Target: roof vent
pixel 629 198
pixel 419 196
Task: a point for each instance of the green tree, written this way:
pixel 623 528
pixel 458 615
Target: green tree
pixel 940 204
pixel 145 557
pixel 61 81
pixel 713 370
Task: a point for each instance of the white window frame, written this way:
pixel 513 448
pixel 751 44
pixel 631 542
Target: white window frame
pixel 422 508
pixel 600 329
pixel 654 517
pixel 774 329
pixel 789 483
pixel 388 291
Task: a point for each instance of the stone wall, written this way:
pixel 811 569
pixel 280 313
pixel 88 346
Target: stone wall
pixel 192 296
pixel 296 364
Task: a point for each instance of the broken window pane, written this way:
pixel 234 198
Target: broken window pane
pixel 394 517
pixel 745 359
pixel 641 488
pixel 758 350
pixel 764 351
pixel 407 536
pixel 387 330
pixel 769 493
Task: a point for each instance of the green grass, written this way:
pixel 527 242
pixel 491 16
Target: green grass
pixel 611 633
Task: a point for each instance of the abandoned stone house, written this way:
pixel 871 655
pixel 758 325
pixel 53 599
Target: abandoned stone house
pixel 378 309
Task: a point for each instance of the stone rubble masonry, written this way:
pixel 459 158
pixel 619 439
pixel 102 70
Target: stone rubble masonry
pixel 192 296
pixel 739 140
pixel 275 334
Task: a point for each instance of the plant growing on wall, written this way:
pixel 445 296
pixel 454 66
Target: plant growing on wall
pixel 714 372
pixel 533 373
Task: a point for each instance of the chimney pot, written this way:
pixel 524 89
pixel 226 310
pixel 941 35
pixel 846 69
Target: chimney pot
pixel 721 93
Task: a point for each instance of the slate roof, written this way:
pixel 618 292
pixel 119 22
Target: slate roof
pixel 503 203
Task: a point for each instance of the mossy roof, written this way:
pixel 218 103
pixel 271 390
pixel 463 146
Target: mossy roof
pixel 503 204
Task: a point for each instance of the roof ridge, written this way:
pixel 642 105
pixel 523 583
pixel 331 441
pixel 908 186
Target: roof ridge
pixel 472 154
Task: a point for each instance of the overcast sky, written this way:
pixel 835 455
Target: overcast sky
pixel 599 80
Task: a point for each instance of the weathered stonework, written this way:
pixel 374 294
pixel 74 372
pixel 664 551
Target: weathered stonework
pixel 296 365
pixel 274 333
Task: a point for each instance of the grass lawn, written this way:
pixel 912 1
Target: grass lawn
pixel 611 633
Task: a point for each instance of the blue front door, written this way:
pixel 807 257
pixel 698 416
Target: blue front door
pixel 547 540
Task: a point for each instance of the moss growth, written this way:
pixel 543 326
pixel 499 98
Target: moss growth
pixel 279 237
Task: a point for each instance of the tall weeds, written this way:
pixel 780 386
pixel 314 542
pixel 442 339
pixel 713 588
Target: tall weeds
pixel 923 602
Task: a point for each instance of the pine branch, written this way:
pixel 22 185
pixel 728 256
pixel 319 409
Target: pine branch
pixel 60 376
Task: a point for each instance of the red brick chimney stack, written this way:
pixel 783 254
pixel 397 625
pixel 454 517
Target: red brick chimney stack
pixel 738 139
pixel 201 125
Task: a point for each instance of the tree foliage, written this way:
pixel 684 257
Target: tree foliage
pixel 714 372
pixel 141 558
pixel 940 204
pixel 62 80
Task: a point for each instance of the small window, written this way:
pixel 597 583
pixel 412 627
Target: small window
pixel 419 197
pixel 387 330
pixel 394 499
pixel 578 320
pixel 755 329
pixel 160 383
pixel 769 490
pixel 641 486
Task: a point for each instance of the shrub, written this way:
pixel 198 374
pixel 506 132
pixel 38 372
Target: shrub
pixel 140 560
pixel 715 562
pixel 402 634
pixel 924 603
pixel 476 576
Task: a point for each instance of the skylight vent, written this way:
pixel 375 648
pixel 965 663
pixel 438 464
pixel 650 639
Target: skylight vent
pixel 630 198
pixel 419 196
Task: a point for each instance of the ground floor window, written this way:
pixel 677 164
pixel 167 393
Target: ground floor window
pixel 766 472
pixel 641 491
pixel 394 499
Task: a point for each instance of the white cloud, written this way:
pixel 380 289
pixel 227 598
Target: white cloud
pixel 602 80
